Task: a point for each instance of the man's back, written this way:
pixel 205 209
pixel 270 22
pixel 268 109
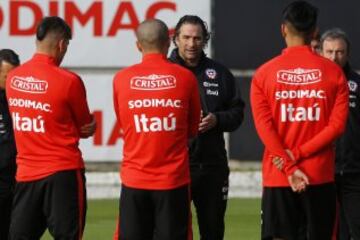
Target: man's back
pixel 307 96
pixel 157 105
pixel 48 107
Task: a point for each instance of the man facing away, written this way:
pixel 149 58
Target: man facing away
pixel 335 46
pixel 157 105
pixel 50 113
pixel 300 103
pixel 8 61
pixel 222 111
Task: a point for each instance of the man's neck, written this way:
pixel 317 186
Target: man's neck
pixel 153 51
pixel 295 41
pixel 45 52
pixel 191 62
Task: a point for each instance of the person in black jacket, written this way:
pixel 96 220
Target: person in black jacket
pixel 8 60
pixel 222 111
pixel 336 47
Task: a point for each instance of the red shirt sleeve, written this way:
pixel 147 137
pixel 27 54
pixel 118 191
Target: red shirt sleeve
pixel 115 102
pixel 194 108
pixel 335 127
pixel 265 127
pixel 78 104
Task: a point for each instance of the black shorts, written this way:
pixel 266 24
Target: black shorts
pixel 348 193
pixel 57 202
pixel 155 214
pixel 293 216
pixel 7 183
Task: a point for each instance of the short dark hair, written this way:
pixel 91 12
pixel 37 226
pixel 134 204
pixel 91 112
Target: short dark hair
pixel 192 19
pixel 335 33
pixel 8 55
pixel 302 16
pixel 53 24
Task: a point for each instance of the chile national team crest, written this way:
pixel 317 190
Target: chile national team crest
pixel 352 86
pixel 211 73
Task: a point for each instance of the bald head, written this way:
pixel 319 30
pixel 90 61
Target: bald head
pixel 153 36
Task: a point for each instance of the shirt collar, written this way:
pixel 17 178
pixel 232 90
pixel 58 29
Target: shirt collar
pixel 40 57
pixel 297 49
pixel 153 57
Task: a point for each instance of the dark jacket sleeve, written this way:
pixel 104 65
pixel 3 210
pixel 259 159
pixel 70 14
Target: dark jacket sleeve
pixel 233 114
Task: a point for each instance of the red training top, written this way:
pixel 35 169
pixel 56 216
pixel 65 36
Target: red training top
pixel 299 102
pixel 48 106
pixel 157 104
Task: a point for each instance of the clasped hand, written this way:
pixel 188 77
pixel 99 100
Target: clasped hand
pixel 298 180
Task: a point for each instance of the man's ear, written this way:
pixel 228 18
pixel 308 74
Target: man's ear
pixel 167 45
pixel 62 45
pixel 315 33
pixel 139 47
pixel 177 40
pixel 284 30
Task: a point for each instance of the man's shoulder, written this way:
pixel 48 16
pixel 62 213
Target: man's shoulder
pixel 327 63
pixel 138 69
pixel 128 71
pixel 353 76
pixel 54 69
pixel 316 61
pixel 269 65
pixel 177 68
pixel 23 68
pixel 67 73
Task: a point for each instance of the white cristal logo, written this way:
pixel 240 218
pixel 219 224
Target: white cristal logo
pixel 29 84
pixel 299 76
pixel 153 82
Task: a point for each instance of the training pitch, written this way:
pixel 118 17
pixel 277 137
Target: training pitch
pixel 242 220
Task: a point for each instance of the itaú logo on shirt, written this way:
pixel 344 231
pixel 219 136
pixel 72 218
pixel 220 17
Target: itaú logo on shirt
pixel 291 113
pixel 144 123
pixel 299 76
pixel 27 124
pixel 28 84
pixel 153 82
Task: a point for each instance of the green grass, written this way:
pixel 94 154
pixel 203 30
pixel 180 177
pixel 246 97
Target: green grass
pixel 242 220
